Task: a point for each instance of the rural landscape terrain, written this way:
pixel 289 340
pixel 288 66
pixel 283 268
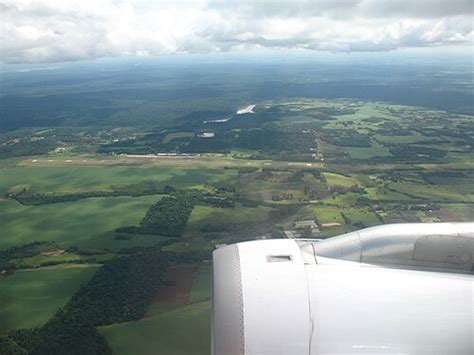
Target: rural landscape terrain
pixel 113 197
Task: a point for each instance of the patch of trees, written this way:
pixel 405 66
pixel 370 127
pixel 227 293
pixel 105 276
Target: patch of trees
pixel 276 140
pixel 216 200
pixel 340 190
pixel 23 251
pixel 282 196
pixel 346 138
pixel 259 119
pixel 443 174
pixel 8 346
pixel 414 152
pixel 30 147
pixel 120 291
pixel 135 190
pixel 167 217
pixel 246 202
pixel 395 131
pixel 297 176
pixel 455 133
pixel 363 201
pixel 321 116
pixel 44 199
pixel 220 143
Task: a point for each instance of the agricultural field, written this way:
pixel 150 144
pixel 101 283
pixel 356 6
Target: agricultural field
pixel 182 331
pixel 212 178
pixel 214 222
pixel 31 297
pixel 65 225
pixel 201 290
pixel 79 179
pixel 179 314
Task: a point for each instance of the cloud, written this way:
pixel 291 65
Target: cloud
pixel 64 30
pixel 343 8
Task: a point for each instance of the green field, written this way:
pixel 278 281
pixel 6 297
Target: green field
pixel 362 215
pixel 201 290
pixel 184 331
pixel 455 192
pixel 263 189
pixel 215 217
pixel 177 135
pixel 334 179
pixel 88 223
pixel 327 215
pixel 376 150
pixel 400 139
pixel 78 179
pixel 465 212
pixel 30 298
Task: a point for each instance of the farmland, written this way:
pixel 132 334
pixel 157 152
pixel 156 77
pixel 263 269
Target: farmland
pixel 23 224
pixel 106 194
pixel 179 332
pixel 65 179
pixel 30 298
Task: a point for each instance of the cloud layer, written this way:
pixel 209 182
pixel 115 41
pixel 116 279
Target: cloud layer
pixel 64 30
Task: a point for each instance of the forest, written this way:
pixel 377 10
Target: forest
pixel 120 291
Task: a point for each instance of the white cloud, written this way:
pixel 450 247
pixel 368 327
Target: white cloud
pixel 62 30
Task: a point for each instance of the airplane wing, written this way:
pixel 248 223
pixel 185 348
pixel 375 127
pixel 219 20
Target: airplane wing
pixel 391 289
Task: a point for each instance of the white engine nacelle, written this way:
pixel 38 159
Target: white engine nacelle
pixel 392 289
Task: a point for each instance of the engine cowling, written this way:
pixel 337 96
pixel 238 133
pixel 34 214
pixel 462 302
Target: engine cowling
pixel 329 297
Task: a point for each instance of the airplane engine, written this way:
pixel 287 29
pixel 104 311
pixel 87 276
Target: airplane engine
pixel 391 289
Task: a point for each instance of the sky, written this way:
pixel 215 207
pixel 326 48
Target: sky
pixel 41 31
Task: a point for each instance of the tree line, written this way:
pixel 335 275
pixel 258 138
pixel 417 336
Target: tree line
pixel 119 291
pixel 135 190
pixel 167 217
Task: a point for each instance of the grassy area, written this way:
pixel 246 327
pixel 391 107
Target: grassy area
pixel 259 189
pixel 327 215
pixel 348 199
pixel 168 138
pixel 184 331
pixel 214 217
pixel 361 215
pixel 160 307
pixel 334 179
pixel 77 179
pixel 88 223
pixel 465 212
pixel 30 298
pixel 384 194
pixel 454 193
pixel 376 150
pixel 201 290
pixel 41 258
pixel 400 139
